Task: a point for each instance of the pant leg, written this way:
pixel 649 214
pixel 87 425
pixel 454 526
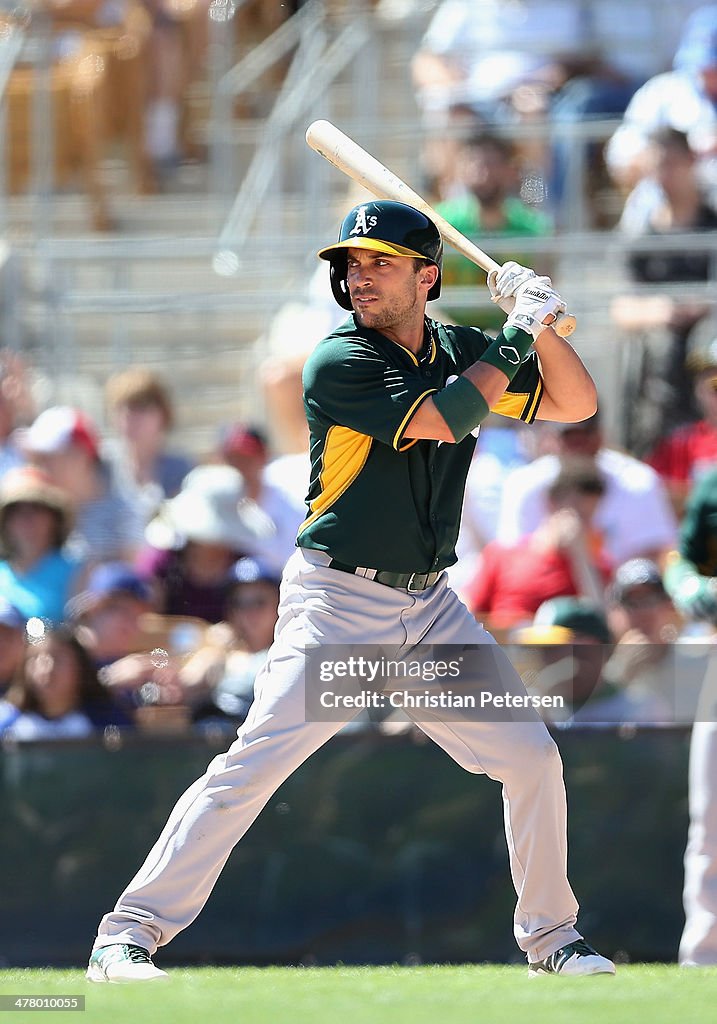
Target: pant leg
pixel 523 757
pixel 181 869
pixel 318 606
pixel 178 875
pixel 699 938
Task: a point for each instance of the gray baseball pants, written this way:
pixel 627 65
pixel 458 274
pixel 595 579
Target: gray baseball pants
pixel 698 946
pixel 326 607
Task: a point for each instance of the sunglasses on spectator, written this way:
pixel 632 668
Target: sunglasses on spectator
pixel 642 599
pixel 247 604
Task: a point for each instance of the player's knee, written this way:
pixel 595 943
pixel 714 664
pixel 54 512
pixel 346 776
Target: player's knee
pixel 547 760
pixel 537 756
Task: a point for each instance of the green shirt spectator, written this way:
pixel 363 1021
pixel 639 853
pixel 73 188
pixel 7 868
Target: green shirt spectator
pixel 487 205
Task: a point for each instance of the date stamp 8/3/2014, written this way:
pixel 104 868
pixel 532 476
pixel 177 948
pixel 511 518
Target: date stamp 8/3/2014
pixel 41 1002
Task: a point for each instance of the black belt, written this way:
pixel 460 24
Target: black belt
pixel 413 582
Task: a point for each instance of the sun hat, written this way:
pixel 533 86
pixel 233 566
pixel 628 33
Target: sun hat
pixel 211 508
pixel 28 484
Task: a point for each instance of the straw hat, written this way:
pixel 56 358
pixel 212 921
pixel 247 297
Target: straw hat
pixel 27 484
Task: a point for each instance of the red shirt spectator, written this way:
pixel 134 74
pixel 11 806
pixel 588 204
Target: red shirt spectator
pixel 690 450
pixel 685 454
pixel 563 557
pixel 512 582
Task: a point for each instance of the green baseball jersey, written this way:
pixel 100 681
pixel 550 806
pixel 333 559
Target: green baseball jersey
pixel 698 532
pixel 376 498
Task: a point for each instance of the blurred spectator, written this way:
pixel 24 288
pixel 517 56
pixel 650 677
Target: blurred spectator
pixel 671 199
pixel 177 46
pixel 141 413
pixel 570 642
pixel 58 694
pixel 640 610
pixel 225 671
pixel 15 408
pixel 197 536
pixel 12 653
pixel 293 334
pixel 560 557
pixel 478 55
pixel 107 613
pixel 475 57
pixel 64 444
pixel 687 453
pixel 12 644
pixel 245 448
pixel 486 203
pixel 108 617
pixel 683 99
pixel 646 656
pixel 36 574
pixel 634 516
pixel 501 448
pixel 566 648
pixel 499 63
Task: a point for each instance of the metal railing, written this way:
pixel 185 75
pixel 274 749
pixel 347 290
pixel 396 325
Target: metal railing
pixel 317 63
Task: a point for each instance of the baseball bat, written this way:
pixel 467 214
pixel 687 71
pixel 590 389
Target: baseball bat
pixel 349 158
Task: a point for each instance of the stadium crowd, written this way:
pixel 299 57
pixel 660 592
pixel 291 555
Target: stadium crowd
pixel 164 566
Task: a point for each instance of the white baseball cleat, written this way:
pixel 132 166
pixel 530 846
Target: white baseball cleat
pixel 120 964
pixel 574 960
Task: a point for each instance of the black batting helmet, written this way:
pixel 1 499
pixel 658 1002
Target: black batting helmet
pixel 383 226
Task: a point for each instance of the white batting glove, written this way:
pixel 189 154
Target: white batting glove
pixel 506 281
pixel 537 306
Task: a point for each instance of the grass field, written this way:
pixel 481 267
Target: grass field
pixel 380 995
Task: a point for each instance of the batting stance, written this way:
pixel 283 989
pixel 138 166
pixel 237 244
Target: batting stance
pixel 392 400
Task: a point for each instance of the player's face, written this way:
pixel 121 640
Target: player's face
pixel 384 289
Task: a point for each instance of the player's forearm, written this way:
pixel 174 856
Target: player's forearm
pixel 570 394
pixel 463 404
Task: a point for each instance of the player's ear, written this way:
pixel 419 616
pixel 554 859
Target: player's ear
pixel 428 275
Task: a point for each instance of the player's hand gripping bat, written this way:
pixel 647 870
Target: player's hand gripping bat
pixel 346 155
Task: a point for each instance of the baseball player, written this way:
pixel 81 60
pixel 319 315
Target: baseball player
pixel 691 580
pixel 392 400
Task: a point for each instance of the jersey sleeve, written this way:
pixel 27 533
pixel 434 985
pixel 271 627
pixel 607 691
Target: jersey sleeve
pixel 521 399
pixel 354 386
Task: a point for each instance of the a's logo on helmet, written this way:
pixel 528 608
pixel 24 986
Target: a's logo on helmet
pixel 510 354
pixel 363 222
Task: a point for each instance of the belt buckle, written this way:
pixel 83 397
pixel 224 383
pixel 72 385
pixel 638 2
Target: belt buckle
pixel 416 590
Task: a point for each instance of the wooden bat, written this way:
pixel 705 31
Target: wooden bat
pixel 346 155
